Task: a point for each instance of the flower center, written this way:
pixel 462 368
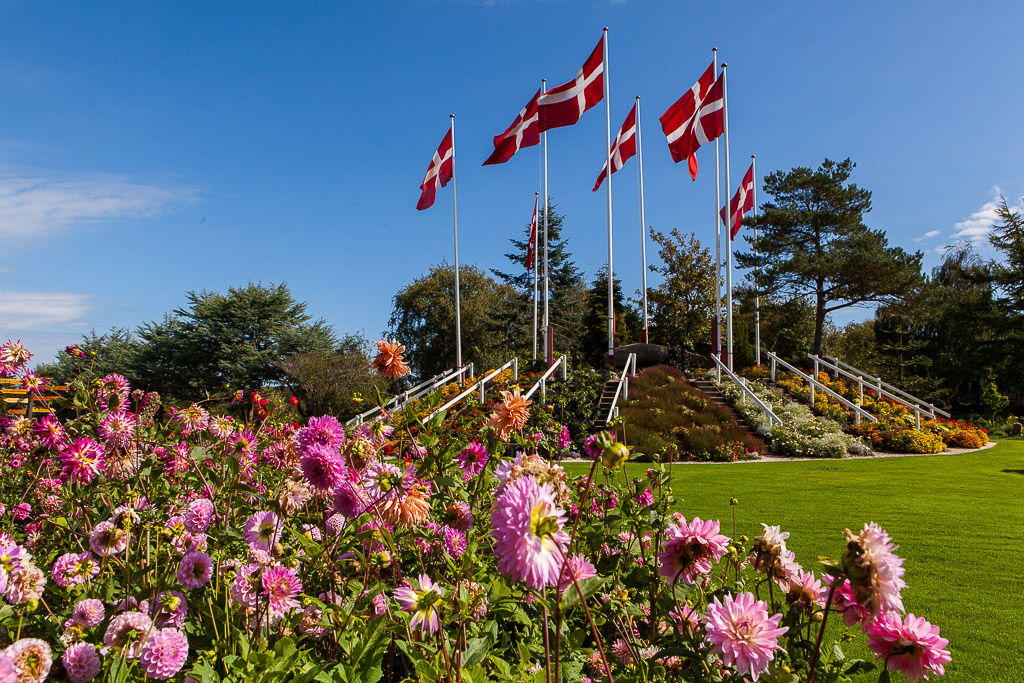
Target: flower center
pixel 541 524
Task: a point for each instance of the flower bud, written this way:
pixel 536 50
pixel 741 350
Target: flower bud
pixel 614 455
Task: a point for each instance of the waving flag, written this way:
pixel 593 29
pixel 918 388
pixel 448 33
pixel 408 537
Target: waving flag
pixel 522 133
pixel 691 122
pixel 742 202
pixel 563 106
pixel 533 236
pixel 438 173
pixel 623 148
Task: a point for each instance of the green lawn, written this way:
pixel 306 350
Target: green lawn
pixel 958 519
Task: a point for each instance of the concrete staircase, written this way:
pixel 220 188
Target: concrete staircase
pixel 715 395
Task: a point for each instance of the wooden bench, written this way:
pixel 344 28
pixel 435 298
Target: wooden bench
pixel 19 401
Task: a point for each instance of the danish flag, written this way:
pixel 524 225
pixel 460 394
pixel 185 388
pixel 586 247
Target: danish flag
pixel 533 236
pixel 623 148
pixel 522 133
pixel 694 119
pixel 563 106
pixel 438 173
pixel 742 202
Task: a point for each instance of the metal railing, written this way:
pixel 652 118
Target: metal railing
pixel 415 392
pixel 814 383
pixel 883 388
pixel 542 382
pixel 746 391
pixel 623 387
pixel 480 387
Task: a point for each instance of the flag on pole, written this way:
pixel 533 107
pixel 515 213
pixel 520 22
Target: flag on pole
pixel 684 108
pixel 438 173
pixel 742 202
pixel 688 125
pixel 533 236
pixel 563 106
pixel 623 148
pixel 522 133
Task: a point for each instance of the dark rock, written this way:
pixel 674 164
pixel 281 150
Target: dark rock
pixel 646 355
pixel 1016 429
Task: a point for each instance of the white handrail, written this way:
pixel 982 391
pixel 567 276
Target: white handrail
pixel 813 382
pixel 542 382
pixel 623 386
pixel 880 385
pixel 772 417
pixel 415 392
pixel 480 386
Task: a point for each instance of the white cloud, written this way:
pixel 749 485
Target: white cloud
pixel 35 310
pixel 927 236
pixel 980 224
pixel 34 207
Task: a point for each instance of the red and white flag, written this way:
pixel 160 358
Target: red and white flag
pixel 438 173
pixel 563 106
pixel 533 236
pixel 695 118
pixel 623 148
pixel 522 133
pixel 742 202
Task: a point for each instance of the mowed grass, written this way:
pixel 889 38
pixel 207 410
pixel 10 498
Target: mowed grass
pixel 958 521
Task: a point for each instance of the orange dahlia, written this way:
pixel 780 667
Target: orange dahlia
pixel 511 414
pixel 408 510
pixel 389 361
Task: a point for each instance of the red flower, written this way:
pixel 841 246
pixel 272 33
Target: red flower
pixel 294 401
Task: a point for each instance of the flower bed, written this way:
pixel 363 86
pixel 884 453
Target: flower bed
pixel 139 545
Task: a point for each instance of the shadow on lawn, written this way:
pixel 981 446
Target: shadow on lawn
pixel 1013 471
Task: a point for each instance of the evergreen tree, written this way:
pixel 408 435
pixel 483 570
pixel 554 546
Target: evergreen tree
pixel 628 322
pixel 813 243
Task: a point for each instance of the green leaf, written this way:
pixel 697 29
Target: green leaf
pixel 571 597
pixel 673 652
pixel 884 677
pixel 476 650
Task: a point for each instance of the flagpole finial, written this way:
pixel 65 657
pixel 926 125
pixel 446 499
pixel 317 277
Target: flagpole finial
pixel 752 156
pixel 714 49
pixel 451 116
pixel 725 64
pixel 606 29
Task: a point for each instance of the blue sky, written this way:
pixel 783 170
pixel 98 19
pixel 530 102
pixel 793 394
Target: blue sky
pixel 147 149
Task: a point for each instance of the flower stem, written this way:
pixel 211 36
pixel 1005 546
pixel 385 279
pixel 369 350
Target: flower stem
pixel 821 632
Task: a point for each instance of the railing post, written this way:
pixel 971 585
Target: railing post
pixel 565 369
pixel 718 369
pixel 917 417
pixel 515 369
pixel 625 387
pixel 860 382
pixel 812 393
pixel 743 391
pixel 543 390
pixel 470 370
pixel 857 413
pixel 815 367
pixel 773 368
pixel 482 383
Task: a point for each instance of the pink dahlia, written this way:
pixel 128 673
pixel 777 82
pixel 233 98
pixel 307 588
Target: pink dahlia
pixel 844 602
pixel 281 586
pixel 690 549
pixel 262 530
pixel 576 567
pixel 772 557
pixel 323 467
pixel 874 571
pixel 423 604
pixel 527 528
pixel 13 355
pixel 195 418
pixel 246 587
pixel 454 541
pixel 117 429
pixel 384 480
pixel 221 428
pixel 804 592
pixel 472 459
pixel 243 445
pixel 320 431
pixel 113 392
pixel 126 632
pixel 350 499
pixel 82 459
pixel 73 569
pixel 88 613
pixel 81 662
pixel 164 653
pixel 8 674
pixel 913 647
pixel 31 658
pixel 199 515
pixel 49 431
pixel 168 609
pixel 25 583
pixel 741 632
pixel 195 570
pixel 107 539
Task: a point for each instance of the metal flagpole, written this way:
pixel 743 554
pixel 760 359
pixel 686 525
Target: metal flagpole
pixel 643 228
pixel 717 333
pixel 533 222
pixel 455 225
pixel 757 295
pixel 728 215
pixel 548 342
pixel 608 160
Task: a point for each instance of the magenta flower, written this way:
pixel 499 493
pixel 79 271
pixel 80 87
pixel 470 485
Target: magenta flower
pixel 126 633
pixel 913 647
pixel 195 418
pixel 117 429
pixel 49 431
pixel 246 587
pixel 844 602
pixel 350 499
pixel 690 549
pixel 320 431
pixel 164 653
pixel 88 613
pixel 281 586
pixel 454 541
pixel 31 659
pixel 385 481
pixel 82 459
pixel 741 632
pixel 168 609
pixel 593 452
pixel 199 515
pixel 221 428
pixel 576 567
pixel 195 570
pixel 81 662
pixel 423 604
pixel 73 569
pixel 472 459
pixel 874 571
pixel 323 467
pixel 527 529
pixel 262 530
pixel 107 539
pixel 113 392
